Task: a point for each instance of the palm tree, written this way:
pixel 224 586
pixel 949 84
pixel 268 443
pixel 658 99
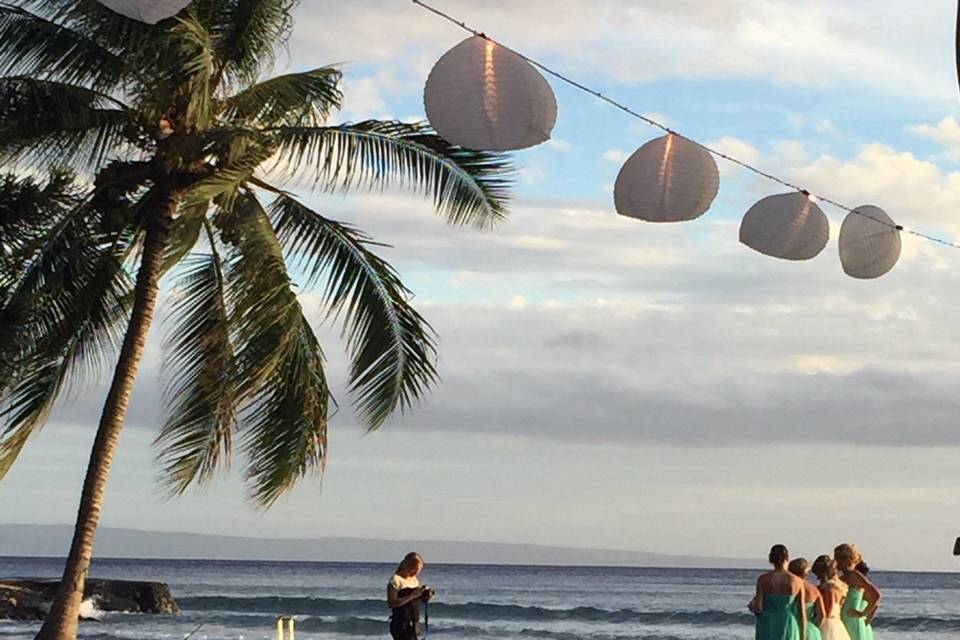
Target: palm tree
pixel 169 145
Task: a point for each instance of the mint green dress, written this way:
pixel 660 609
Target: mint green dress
pixel 813 631
pixel 856 627
pixel 779 619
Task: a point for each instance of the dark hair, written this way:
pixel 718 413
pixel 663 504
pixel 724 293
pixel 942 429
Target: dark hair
pixel 798 567
pixel 825 568
pixel 778 555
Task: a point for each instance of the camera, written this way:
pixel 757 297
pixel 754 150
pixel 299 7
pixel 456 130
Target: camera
pixel 428 592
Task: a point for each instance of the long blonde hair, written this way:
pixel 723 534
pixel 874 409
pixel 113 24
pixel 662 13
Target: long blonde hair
pixel 410 561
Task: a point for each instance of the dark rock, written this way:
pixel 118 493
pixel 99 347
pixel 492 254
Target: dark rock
pixel 30 599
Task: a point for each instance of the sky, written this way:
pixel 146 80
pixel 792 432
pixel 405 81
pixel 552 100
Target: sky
pixel 609 383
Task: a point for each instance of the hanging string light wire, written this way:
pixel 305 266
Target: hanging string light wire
pixel 654 123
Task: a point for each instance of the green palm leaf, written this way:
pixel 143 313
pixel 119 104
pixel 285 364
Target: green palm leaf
pixel 392 347
pixel 243 155
pixel 184 234
pixel 279 363
pixel 31 45
pixel 197 436
pixel 27 209
pixel 294 99
pixel 247 33
pixel 469 187
pixel 62 319
pixel 95 21
pixel 52 123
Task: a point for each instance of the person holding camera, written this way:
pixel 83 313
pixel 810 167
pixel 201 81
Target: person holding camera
pixel 404 595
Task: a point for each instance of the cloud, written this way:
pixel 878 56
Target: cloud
pixel 915 192
pixel 735 148
pixel 618 156
pixel 946 132
pixel 813 44
pixel 531 173
pixel 558 144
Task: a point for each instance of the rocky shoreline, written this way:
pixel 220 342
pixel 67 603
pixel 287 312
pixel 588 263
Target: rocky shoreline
pixel 29 599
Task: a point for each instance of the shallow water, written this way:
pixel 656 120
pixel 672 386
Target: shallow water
pixel 242 600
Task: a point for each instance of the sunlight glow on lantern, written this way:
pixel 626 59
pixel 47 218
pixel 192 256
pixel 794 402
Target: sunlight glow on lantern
pixel 788 226
pixel 149 11
pixel 486 97
pixel 668 179
pixel 869 243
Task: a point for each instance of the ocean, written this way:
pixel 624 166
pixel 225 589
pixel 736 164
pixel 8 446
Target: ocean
pixel 231 600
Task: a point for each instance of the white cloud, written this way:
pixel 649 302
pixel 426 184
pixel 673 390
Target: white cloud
pixel 531 173
pixel 915 192
pixel 815 43
pixel 558 144
pixel 735 148
pixel 618 156
pixel 946 132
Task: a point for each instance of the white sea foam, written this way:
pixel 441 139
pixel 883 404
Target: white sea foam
pixel 89 610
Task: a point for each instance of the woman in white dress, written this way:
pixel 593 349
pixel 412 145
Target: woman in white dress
pixel 834 592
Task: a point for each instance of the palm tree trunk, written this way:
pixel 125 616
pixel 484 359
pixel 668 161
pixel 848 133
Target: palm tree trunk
pixel 61 621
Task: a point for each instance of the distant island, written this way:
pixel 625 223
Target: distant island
pixel 53 541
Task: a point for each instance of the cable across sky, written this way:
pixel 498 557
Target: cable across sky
pixel 816 197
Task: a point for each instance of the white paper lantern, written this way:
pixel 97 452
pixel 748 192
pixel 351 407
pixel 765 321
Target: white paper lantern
pixel 483 96
pixel 789 226
pixel 869 243
pixel 669 179
pixel 149 11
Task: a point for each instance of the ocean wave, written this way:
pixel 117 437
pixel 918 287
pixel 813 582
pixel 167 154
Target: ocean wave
pixel 467 611
pixel 375 611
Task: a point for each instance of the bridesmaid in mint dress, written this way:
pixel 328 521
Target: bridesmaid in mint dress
pixel 815 614
pixel 862 597
pixel 780 602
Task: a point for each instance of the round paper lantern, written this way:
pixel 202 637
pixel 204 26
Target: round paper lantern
pixel 869 243
pixel 669 179
pixel 483 96
pixel 149 11
pixel 789 226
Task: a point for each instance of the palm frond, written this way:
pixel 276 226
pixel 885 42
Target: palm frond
pixel 469 187
pixel 27 210
pixel 31 45
pixel 184 233
pixel 279 363
pixel 392 348
pixel 294 99
pixel 195 71
pixel 240 158
pixel 53 123
pixel 199 361
pixel 247 34
pixel 63 320
pixel 111 30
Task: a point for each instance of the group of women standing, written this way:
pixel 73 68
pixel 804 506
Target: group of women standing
pixel 841 607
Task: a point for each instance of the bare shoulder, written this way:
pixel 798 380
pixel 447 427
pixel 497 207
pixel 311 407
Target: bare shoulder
pixel 854 578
